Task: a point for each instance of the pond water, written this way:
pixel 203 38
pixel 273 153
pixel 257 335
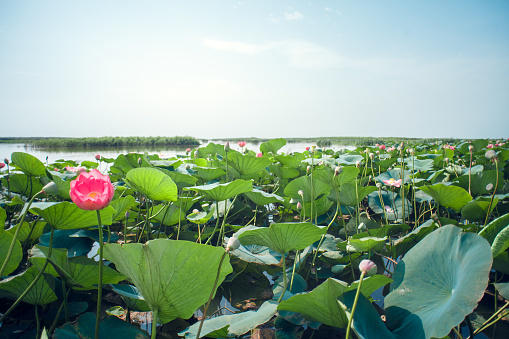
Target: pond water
pixel 82 154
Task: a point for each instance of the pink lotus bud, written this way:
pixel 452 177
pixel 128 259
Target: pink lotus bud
pixel 227 146
pixel 97 157
pixel 188 150
pixel 471 148
pixel 6 161
pixel 299 205
pixel 497 145
pixel 233 244
pixel 367 266
pixel 382 147
pixel 489 146
pixel 259 155
pixel 300 192
pixel 2 165
pixel 377 144
pixel 242 143
pixel 453 148
pixel 307 148
pixel 308 168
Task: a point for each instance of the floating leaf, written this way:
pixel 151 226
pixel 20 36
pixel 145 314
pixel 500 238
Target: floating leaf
pixel 262 198
pixel 41 294
pixel 153 183
pixel 66 215
pixel 448 196
pixel 220 192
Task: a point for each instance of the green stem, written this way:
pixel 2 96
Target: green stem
pixel 13 242
pixel 38 322
pixel 354 306
pixel 100 282
pixel 284 279
pixel 154 324
pixel 211 295
pixel 492 196
pixel 217 224
pixel 293 270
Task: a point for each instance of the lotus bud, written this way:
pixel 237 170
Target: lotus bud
pixel 452 148
pixel 377 152
pixel 259 155
pixel 233 244
pixel 6 161
pixel 358 163
pixel 50 189
pixel 126 215
pixel 188 150
pixel 412 151
pixel 97 157
pixel 80 170
pixel 400 148
pixel 362 227
pixel 366 150
pixel 195 211
pixel 489 146
pixel 371 156
pixel 377 144
pixel 489 187
pixel 382 147
pixel 470 148
pixel 300 192
pixel 367 267
pixel 379 185
pixel 446 159
pixel 308 168
pixel 490 154
pixel 338 170
pixel 242 143
pixel 2 165
pixel 299 205
pixel 307 148
pixel 227 146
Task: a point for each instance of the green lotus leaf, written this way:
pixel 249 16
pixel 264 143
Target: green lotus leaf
pixel 131 296
pixel 208 174
pixel 220 192
pixel 439 281
pixel 152 182
pixel 283 237
pixel 293 160
pixel 233 325
pixel 448 196
pixel 166 287
pixel 41 294
pixel 180 179
pixel 477 209
pixel 20 183
pixel 321 304
pixel 370 284
pixel 168 215
pixel 392 203
pixel 28 231
pixel 66 216
pixel 284 172
pixel 272 146
pixel 247 164
pixel 501 242
pixel 349 159
pixel 63 187
pixel 200 218
pixel 394 174
pixel 479 182
pixel 109 327
pixel 121 206
pixel 64 239
pixel 352 194
pixel 419 165
pixel 304 184
pixel 28 164
pixel 503 289
pixel 403 244
pixel 81 273
pixel 490 231
pixel 364 244
pixel 16 255
pixel 262 198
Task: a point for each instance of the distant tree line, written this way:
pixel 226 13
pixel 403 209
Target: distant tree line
pixel 108 141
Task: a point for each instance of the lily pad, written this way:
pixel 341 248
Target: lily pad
pixel 220 192
pixel 152 182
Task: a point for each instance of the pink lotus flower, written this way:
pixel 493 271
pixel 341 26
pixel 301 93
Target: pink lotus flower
pixel 452 148
pixel 2 165
pixel 97 157
pixel 307 148
pixel 377 144
pixel 388 209
pixel 92 191
pixel 78 170
pixel 392 182
pixel 242 143
pixel 259 155
pixel 497 145
pixel 188 150
pixel 489 146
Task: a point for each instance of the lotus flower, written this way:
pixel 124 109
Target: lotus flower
pixel 2 165
pixel 307 148
pixel 97 157
pixel 489 146
pixel 259 155
pixel 91 191
pixel 233 244
pixel 392 182
pixel 188 150
pixel 242 143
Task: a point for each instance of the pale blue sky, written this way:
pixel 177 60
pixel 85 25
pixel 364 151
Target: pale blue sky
pixel 222 68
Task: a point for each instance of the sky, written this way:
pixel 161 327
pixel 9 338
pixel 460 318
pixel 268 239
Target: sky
pixel 268 69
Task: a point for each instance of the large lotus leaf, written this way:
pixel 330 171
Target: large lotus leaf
pixel 352 194
pixel 394 174
pixel 262 198
pixel 448 196
pixel 152 182
pixel 166 287
pixel 364 244
pixel 392 204
pixel 284 172
pixel 28 164
pixel 490 231
pixel 320 206
pixel 66 216
pixel 129 161
pixel 64 239
pixel 403 244
pixel 63 187
pixel 235 324
pixel 261 255
pixel 208 174
pixel 168 215
pixel 80 272
pixel 273 145
pixel 479 182
pixel 501 242
pixel 247 164
pixel 349 159
pixel 220 192
pixel 439 281
pixel 16 255
pixel 293 160
pixel 477 209
pixel 419 165
pixel 304 184
pixel 28 231
pixel 109 327
pixel 131 296
pixel 503 289
pixel 366 320
pixel 3 217
pixel 321 304
pixel 121 206
pixel 180 179
pixel 20 183
pixel 41 294
pixel 283 237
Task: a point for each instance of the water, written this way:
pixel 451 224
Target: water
pixel 82 154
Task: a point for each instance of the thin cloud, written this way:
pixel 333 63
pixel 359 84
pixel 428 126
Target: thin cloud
pixel 293 16
pixel 234 46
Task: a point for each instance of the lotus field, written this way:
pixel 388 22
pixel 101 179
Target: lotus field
pixel 389 241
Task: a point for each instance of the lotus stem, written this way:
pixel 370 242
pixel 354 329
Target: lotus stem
pixel 154 324
pixel 354 306
pixel 492 196
pixel 293 270
pixel 100 282
pixel 38 322
pixel 217 224
pixel 211 294
pixel 284 280
pixel 13 242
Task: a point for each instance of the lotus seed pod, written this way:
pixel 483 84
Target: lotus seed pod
pixel 233 244
pixel 367 267
pixel 489 187
pixel 50 188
